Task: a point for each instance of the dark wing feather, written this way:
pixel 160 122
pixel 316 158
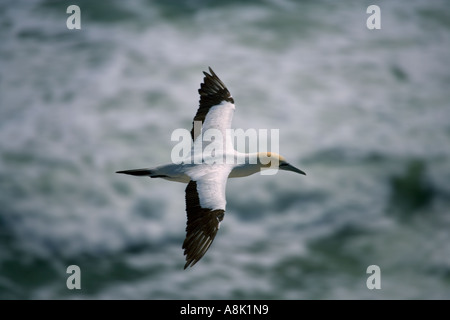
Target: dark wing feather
pixel 202 226
pixel 212 92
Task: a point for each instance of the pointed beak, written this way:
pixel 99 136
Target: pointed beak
pixel 289 167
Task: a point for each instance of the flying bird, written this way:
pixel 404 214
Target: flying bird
pixel 206 180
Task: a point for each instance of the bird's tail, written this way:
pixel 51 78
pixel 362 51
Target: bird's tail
pixel 137 172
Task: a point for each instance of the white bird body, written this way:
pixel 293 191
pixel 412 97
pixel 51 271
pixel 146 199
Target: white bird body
pixel 206 175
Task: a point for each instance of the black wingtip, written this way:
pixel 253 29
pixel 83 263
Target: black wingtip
pixel 211 72
pixel 190 263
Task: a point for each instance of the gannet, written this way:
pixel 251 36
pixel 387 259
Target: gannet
pixel 206 181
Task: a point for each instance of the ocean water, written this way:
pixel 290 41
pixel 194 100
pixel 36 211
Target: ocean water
pixel 365 113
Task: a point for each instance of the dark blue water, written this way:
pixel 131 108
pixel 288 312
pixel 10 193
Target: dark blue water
pixel 364 112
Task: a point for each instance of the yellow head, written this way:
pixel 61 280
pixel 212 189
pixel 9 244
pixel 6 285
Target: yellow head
pixel 272 160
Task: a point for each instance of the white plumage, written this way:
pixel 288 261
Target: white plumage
pixel 206 180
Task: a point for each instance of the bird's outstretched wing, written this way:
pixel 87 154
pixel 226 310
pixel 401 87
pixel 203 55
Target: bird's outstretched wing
pixel 216 106
pixel 205 207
